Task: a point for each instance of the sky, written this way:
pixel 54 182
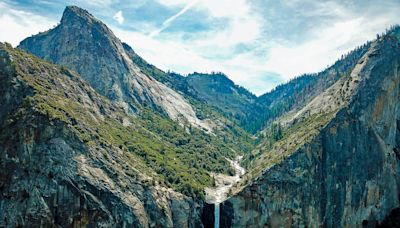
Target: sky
pixel 256 43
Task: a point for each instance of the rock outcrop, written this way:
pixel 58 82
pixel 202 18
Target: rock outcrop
pixel 348 173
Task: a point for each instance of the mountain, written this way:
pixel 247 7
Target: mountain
pixel 84 44
pixel 71 157
pixel 337 162
pixel 221 92
pixel 233 101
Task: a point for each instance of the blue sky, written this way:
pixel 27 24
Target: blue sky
pixel 257 43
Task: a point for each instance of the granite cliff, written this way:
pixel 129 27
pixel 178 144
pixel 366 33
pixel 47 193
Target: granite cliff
pixel 338 164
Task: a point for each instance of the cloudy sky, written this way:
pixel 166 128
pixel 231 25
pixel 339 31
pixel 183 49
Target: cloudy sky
pixel 257 43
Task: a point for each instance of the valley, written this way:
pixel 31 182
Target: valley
pixel 92 135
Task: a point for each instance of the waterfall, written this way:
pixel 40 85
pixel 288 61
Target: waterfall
pixel 224 183
pixel 216 215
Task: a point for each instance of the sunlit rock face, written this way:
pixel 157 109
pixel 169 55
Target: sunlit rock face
pixel 349 174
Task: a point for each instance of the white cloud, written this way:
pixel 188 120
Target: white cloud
pixel 16 25
pixel 326 46
pixel 180 57
pixel 220 8
pixel 119 17
pixel 168 22
pixel 99 3
pixel 314 54
pixel 201 53
pixel 244 25
pixel 278 57
pixel 166 54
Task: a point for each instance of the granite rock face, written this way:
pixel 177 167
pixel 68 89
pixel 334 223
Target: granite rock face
pixel 348 175
pixel 52 177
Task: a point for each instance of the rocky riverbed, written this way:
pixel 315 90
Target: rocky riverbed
pixel 223 183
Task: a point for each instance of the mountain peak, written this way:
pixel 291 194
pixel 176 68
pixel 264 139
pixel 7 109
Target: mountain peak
pixel 75 12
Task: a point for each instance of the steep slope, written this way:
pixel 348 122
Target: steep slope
pixel 86 45
pixel 338 162
pixel 298 92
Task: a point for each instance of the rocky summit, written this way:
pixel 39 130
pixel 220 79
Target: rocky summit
pixel 92 135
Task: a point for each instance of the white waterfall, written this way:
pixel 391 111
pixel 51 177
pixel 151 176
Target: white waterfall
pixel 216 215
